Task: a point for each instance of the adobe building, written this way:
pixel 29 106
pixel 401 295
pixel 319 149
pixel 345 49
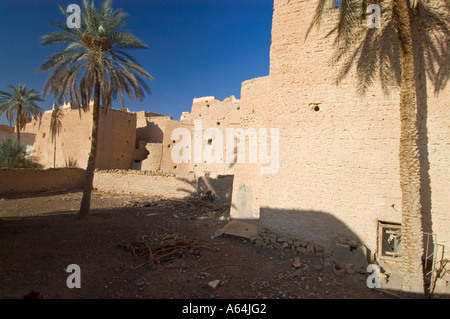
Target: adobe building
pixel 338 178
pixel 71 147
pixel 157 136
pixel 27 138
pixel 6 132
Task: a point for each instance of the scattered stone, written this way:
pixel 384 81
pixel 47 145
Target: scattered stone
pixel 303 243
pixel 214 284
pixel 218 233
pixel 361 270
pixel 302 250
pixel 339 269
pixel 259 242
pixel 319 249
pixel 282 240
pixel 349 268
pixel 297 263
pixel 319 254
pixel 318 267
pixel 353 243
pixel 310 249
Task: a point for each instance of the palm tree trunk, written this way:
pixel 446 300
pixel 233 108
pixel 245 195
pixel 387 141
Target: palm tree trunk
pixel 412 235
pixel 19 112
pixel 18 131
pixel 86 200
pixel 54 153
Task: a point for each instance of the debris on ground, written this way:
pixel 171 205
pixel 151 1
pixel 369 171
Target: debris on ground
pixel 159 248
pixel 191 208
pixel 214 284
pixel 296 263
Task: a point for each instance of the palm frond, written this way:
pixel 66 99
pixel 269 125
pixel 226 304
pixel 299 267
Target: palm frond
pixel 321 10
pixel 95 52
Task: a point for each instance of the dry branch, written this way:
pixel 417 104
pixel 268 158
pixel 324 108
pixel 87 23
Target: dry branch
pixel 159 248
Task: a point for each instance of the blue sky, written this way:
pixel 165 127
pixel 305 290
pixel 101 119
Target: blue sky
pixel 196 47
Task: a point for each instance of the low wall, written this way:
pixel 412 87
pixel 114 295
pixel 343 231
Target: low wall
pixel 145 183
pixel 22 181
pixel 169 185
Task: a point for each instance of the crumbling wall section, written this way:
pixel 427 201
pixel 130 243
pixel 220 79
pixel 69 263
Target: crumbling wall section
pixel 207 113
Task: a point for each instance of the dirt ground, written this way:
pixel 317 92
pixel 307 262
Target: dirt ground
pixel 41 235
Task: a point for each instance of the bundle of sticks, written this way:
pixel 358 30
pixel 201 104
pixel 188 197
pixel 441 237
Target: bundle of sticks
pixel 158 248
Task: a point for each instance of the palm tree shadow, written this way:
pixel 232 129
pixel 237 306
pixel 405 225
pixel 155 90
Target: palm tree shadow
pixel 375 55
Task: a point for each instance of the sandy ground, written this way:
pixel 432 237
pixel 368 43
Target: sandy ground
pixel 41 235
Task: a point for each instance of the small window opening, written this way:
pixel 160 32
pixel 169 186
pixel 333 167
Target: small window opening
pixel 389 240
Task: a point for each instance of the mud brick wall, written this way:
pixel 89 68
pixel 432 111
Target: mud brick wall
pixel 158 183
pixel 339 164
pixel 117 139
pixel 22 181
pixel 144 183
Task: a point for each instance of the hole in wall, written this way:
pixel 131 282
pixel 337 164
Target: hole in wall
pixel 218 123
pixel 210 141
pixel 316 108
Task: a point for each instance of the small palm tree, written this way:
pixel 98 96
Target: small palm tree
pixel 12 156
pixel 55 128
pixel 94 63
pixel 20 106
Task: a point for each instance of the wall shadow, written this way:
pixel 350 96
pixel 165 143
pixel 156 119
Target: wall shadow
pixel 217 189
pixel 316 227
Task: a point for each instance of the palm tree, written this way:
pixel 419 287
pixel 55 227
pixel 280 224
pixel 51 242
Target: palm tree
pixel 95 62
pixel 20 106
pixel 55 128
pixel 352 15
